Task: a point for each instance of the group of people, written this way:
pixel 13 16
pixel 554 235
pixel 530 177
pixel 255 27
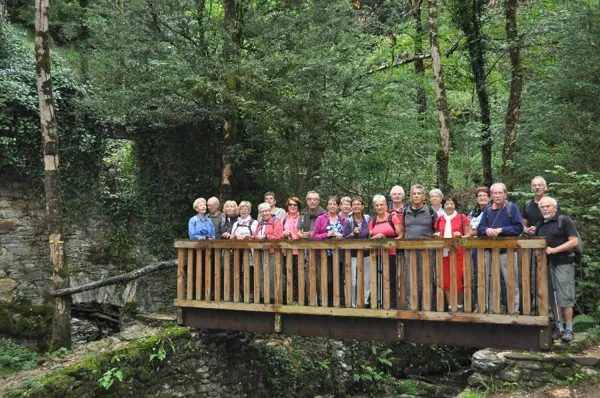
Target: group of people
pixel 346 218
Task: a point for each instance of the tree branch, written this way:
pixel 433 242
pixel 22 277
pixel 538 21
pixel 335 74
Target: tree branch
pixel 138 273
pixel 400 62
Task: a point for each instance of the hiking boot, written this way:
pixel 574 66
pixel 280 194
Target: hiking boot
pixel 567 336
pixel 556 333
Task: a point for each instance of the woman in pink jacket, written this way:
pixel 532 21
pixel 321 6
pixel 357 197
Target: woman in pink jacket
pixel 290 231
pixel 268 228
pixel 329 225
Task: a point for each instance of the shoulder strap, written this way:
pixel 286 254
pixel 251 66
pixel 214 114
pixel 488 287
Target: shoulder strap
pixel 432 214
pixel 390 216
pixel 462 222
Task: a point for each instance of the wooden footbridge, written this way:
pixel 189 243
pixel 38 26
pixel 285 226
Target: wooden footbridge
pixel 222 284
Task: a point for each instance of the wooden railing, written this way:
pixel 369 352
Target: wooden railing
pixel 218 274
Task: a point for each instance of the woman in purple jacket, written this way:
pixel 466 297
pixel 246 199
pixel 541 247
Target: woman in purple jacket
pixel 329 225
pixel 357 227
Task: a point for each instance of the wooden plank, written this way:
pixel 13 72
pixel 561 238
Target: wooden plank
pixel 199 267
pixel 495 280
pixel 278 278
pixel 217 278
pixel 267 276
pixel 207 273
pixel 481 281
pixel 525 276
pixel 400 298
pixel 370 313
pixel 439 280
pixel 236 276
pixel 542 283
pixel 289 277
pixel 336 278
pixel 348 278
pixel 510 282
pixel 468 279
pixel 453 280
pixel 312 278
pixel 426 281
pixel 373 269
pixel 501 243
pixel 360 279
pixel 190 274
pixel 246 260
pixel 277 325
pixel 386 279
pixel 301 284
pixel 180 272
pixel 226 275
pixel 256 272
pixel 324 296
pixel 414 281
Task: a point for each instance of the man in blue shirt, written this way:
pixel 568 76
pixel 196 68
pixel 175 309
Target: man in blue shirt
pixel 501 219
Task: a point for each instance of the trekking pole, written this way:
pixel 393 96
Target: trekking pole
pixel 554 292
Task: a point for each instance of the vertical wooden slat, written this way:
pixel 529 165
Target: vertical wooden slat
pixel 374 265
pixel 525 285
pixel 324 296
pixel 237 275
pixel 190 274
pixel 312 278
pixel 180 274
pixel 386 279
pixel 400 280
pixel 217 272
pixel 226 275
pixel 289 277
pixel 360 279
pixel 336 278
pixel 453 280
pixel 348 278
pixel 246 259
pixel 542 278
pixel 257 281
pixel 199 267
pixel 439 279
pixel 267 276
pixel 426 271
pixel 468 278
pixel 510 282
pixel 495 286
pixel 301 285
pixel 481 299
pixel 278 278
pixel 207 273
pixel 414 281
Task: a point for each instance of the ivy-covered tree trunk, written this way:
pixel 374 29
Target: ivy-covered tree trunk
pixel 513 110
pixel 61 324
pixel 443 154
pixel 468 18
pixel 420 95
pixel 230 54
pixel 2 12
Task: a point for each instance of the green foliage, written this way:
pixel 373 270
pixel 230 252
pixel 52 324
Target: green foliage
pixel 111 375
pixel 583 323
pixel 15 358
pixel 159 352
pixel 375 378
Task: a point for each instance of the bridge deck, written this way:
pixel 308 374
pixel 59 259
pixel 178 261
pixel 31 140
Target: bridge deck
pixel 224 285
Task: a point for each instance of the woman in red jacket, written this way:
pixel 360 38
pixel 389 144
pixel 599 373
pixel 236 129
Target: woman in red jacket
pixel 453 225
pixel 268 228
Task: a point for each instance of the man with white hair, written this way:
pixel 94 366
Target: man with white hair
pixel 215 214
pixel 562 237
pixel 501 219
pixel 396 195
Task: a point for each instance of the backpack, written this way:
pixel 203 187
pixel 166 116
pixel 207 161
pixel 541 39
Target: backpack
pixel 577 250
pixel 390 216
pixel 432 214
pixel 249 226
pixel 350 220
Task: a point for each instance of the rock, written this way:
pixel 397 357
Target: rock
pixel 560 393
pixel 590 372
pixel 477 379
pixel 488 361
pixel 513 374
pixel 7 286
pixel 586 360
pixel 532 365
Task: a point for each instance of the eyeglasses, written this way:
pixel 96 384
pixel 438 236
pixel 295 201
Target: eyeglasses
pixel 292 204
pixel 483 196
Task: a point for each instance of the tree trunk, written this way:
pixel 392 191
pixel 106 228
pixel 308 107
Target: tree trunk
pixel 61 323
pixel 420 95
pixel 230 53
pixel 443 154
pixel 2 13
pixel 469 21
pixel 514 100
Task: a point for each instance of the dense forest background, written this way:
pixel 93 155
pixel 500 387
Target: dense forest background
pixel 162 101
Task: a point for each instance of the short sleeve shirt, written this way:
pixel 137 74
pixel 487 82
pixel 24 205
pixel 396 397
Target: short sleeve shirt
pixel 556 236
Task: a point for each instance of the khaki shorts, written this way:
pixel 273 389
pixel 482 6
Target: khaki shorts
pixel 564 277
